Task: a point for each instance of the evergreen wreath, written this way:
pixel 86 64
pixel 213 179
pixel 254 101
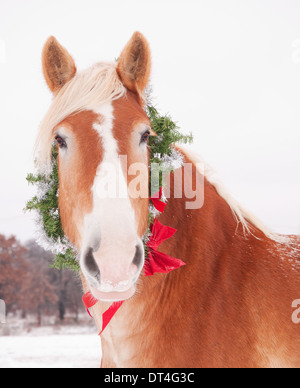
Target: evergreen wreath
pixel 45 203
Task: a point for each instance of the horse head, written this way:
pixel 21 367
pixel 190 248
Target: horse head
pixel 101 129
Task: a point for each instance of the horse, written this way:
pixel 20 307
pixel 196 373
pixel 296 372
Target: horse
pixel 231 305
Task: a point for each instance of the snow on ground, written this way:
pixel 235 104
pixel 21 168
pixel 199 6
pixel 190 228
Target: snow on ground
pixel 53 351
pixel 52 347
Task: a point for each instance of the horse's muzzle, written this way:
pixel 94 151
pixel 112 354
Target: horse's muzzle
pixel 113 281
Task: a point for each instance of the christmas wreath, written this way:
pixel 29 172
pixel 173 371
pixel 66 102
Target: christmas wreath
pixel 45 202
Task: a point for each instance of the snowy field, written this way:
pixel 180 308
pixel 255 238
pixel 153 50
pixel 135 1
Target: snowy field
pixel 52 347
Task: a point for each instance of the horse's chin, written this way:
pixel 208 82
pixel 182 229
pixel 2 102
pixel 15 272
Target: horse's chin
pixel 113 296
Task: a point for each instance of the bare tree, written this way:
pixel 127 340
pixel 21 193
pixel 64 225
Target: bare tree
pixel 13 268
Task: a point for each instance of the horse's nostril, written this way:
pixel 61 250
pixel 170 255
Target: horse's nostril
pixel 138 260
pixel 91 265
pixel 110 271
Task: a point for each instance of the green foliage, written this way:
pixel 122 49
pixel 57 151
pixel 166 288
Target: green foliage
pixel 162 145
pixel 167 134
pixel 66 260
pixel 47 206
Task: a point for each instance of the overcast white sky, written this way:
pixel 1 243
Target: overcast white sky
pixel 229 71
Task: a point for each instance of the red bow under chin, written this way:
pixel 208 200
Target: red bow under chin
pixel 89 301
pixel 156 262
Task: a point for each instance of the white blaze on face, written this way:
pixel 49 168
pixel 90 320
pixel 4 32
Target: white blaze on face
pixel 110 229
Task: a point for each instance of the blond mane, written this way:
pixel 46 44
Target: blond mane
pixel 241 215
pixel 86 91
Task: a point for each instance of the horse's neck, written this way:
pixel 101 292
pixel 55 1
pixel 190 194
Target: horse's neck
pixel 202 236
pixel 184 308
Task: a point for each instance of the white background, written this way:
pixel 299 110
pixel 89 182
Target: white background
pixel 229 71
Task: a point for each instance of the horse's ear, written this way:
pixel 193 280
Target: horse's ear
pixel 58 65
pixel 134 65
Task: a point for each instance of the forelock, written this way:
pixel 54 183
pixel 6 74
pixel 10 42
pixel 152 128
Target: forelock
pixel 88 90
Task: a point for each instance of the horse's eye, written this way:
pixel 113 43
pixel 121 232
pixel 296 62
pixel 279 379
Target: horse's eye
pixel 60 141
pixel 145 137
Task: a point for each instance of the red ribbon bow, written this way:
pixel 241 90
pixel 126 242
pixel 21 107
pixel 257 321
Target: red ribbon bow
pixel 157 262
pixel 156 200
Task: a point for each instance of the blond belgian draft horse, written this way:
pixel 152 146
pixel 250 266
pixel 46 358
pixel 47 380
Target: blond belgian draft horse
pixel 232 304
